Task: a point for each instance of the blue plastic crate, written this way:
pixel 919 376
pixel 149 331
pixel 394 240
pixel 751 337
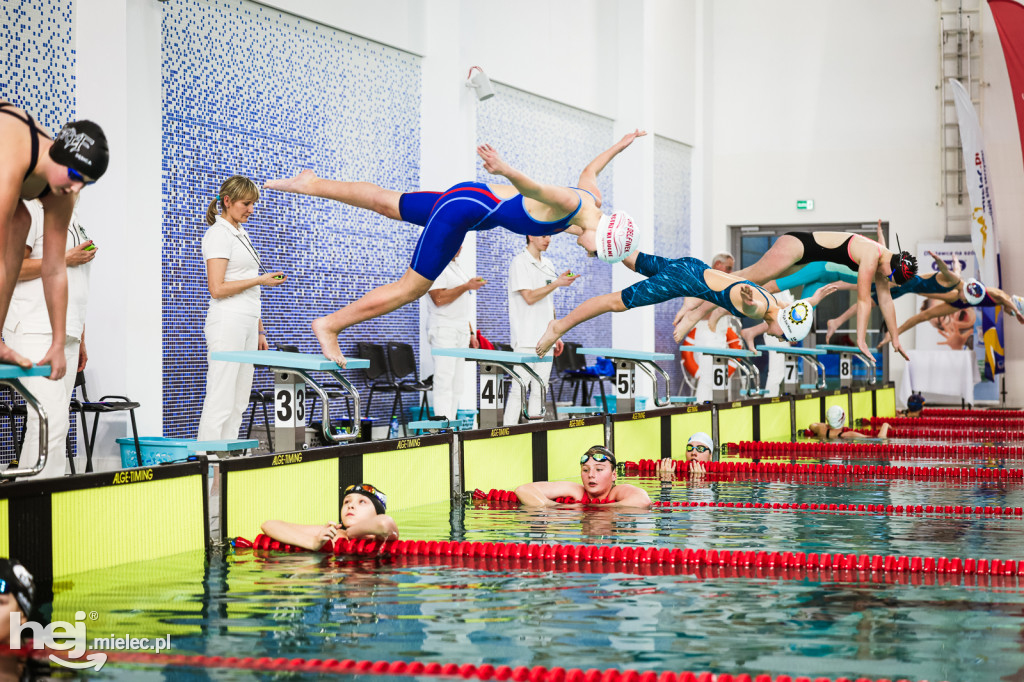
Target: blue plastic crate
pixel 155 450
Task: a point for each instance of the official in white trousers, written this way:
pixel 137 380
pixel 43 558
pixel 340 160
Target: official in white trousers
pixel 27 331
pixel 233 320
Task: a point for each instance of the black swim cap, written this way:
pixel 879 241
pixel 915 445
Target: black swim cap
pixel 602 453
pixel 379 499
pixel 81 145
pixel 904 266
pixel 915 402
pixel 16 581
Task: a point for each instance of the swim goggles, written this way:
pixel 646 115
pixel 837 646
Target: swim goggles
pixel 379 499
pixel 78 177
pixel 697 448
pixel 598 453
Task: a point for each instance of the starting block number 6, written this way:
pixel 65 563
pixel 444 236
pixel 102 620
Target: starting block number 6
pixel 720 375
pixel 289 403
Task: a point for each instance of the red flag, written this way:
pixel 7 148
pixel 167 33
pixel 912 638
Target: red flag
pixel 1009 16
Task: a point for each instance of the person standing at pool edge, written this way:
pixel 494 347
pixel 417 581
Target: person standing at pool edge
pixel 233 320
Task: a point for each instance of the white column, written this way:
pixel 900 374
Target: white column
pixel 634 172
pixel 118 85
pixel 448 136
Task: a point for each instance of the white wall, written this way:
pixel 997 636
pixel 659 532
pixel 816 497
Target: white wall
pixel 826 101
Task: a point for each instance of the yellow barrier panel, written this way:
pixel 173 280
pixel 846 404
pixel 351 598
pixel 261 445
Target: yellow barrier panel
pixel 133 520
pixel 288 490
pixel 5 538
pixel 862 408
pixel 501 462
pixel 774 421
pixel 637 438
pixel 808 411
pixel 411 477
pixel 885 402
pixel 565 447
pixel 736 424
pixel 684 426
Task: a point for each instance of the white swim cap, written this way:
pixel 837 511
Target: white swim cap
pixel 796 320
pixel 974 291
pixel 703 439
pixel 616 237
pixel 836 417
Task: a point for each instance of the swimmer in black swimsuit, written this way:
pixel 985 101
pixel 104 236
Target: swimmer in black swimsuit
pixel 32 166
pixel 870 259
pixel 525 207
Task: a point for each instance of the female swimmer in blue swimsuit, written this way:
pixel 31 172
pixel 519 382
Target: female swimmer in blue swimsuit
pixel 524 207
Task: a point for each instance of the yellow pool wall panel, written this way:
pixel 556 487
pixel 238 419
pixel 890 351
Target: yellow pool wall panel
pixel 736 424
pixel 637 438
pixel 147 519
pixel 774 421
pixel 302 492
pixel 861 405
pixel 685 425
pixel 426 481
pixel 565 447
pixel 502 462
pixel 885 402
pixel 808 411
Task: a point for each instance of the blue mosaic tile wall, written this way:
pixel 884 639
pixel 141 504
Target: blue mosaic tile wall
pixel 551 143
pixel 37 73
pixel 251 90
pixel 671 233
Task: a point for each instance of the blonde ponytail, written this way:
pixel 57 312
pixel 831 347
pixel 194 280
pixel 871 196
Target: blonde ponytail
pixel 239 188
pixel 211 212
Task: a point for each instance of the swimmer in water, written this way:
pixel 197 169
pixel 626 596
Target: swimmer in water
pixel 362 516
pixel 597 472
pixel 836 428
pixel 699 451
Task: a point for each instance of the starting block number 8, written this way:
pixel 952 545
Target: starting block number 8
pixel 289 404
pixel 845 371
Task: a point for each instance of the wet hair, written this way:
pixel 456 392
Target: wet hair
pixel 239 188
pixel 904 266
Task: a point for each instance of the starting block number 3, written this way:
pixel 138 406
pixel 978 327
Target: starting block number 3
pixel 289 404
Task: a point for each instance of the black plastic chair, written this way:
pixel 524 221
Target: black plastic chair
pixel 402 361
pixel 376 375
pixel 262 397
pixel 105 405
pixel 577 376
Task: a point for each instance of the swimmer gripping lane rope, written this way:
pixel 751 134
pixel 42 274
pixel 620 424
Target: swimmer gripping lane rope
pixel 290 373
pixel 10 376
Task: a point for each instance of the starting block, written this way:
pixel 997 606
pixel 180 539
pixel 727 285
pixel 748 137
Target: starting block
pixel 626 362
pixel 10 376
pixel 721 358
pixel 290 379
pixel 846 355
pixel 791 380
pixel 494 364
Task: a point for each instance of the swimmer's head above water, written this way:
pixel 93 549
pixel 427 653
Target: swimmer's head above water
pixel 362 502
pixel 597 471
pixel 700 447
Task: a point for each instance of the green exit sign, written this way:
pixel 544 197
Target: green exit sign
pixel 805 204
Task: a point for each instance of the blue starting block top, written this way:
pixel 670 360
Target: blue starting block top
pixel 15 372
pixel 792 350
pixel 841 349
pixel 281 360
pixel 435 425
pixel 579 409
pixel 219 445
pixel 725 352
pixel 480 355
pixel 682 399
pixel 618 354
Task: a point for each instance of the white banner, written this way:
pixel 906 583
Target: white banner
pixel 983 227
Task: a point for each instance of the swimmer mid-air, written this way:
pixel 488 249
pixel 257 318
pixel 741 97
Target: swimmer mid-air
pixel 690 277
pixel 525 207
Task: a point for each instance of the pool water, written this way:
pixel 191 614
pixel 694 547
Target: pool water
pixel 314 606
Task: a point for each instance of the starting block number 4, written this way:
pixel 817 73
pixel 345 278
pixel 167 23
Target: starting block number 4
pixel 625 382
pixel 289 404
pixel 492 392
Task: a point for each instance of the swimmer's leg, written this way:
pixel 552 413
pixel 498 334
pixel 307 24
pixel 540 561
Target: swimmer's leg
pixel 834 324
pixel 12 244
pixel 778 260
pixel 359 194
pixel 380 301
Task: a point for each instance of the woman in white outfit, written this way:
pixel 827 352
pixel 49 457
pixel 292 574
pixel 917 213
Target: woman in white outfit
pixel 233 319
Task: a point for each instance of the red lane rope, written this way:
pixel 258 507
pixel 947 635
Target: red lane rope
pixel 773 471
pixel 465 671
pixel 508 500
pixel 605 558
pixel 948 423
pixel 983 414
pixel 821 449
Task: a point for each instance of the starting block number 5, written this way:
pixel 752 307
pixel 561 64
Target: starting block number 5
pixel 492 392
pixel 625 382
pixel 289 403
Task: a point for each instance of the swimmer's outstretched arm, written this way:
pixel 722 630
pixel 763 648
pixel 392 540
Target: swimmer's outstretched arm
pixel 591 308
pixel 687 318
pixel 881 237
pixel 946 278
pixel 381 526
pixel 888 308
pixel 588 178
pixel 1001 297
pixel 834 324
pixel 630 496
pixel 558 197
pixel 301 535
pixel 544 493
pixel 718 314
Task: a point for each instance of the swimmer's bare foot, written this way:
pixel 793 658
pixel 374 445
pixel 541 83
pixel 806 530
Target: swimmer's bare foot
pixel 9 357
pixel 300 184
pixel 328 341
pixel 551 334
pixel 833 326
pixel 749 336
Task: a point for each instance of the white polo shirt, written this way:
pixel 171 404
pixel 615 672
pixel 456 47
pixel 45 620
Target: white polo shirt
pixel 459 313
pixel 224 240
pixel 527 323
pixel 27 313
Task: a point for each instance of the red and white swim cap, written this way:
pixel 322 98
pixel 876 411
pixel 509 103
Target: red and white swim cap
pixel 616 237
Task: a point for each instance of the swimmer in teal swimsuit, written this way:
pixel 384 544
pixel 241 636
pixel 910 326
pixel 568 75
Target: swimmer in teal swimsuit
pixel 690 277
pixel 525 207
